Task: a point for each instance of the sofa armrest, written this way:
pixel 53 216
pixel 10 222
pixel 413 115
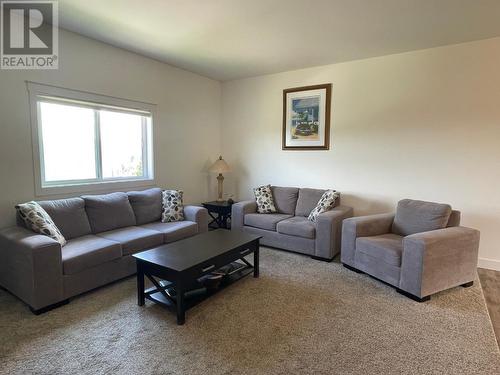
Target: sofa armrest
pixel 199 215
pixel 362 226
pixel 439 259
pixel 329 231
pixel 238 212
pixel 31 267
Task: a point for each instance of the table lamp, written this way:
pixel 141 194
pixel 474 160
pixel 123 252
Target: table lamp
pixel 220 166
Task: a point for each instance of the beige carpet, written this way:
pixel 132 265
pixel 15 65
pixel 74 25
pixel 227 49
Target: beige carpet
pixel 490 281
pixel 301 317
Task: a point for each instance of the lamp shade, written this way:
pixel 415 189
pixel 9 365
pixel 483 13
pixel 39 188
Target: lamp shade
pixel 220 166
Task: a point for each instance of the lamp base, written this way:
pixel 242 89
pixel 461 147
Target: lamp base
pixel 220 179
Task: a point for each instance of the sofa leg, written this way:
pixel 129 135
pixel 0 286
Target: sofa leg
pixel 411 296
pixel 351 268
pixel 468 285
pixel 48 308
pixel 322 259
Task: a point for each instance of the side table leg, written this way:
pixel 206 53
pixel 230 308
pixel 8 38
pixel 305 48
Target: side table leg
pixel 181 313
pixel 140 285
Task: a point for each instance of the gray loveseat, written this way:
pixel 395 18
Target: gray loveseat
pixel 102 231
pixel 289 228
pixel 421 250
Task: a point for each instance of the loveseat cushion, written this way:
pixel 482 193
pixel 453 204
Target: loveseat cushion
pixel 109 211
pixel 134 239
pixel 69 215
pixel 386 247
pixel 88 251
pixel 264 221
pixel 285 199
pixel 297 226
pixel 146 204
pixel 413 216
pixel 174 231
pixel 307 200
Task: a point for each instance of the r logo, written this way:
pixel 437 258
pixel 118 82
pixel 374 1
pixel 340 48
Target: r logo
pixel 29 31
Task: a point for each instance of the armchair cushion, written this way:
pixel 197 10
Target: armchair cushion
pixel 297 226
pixel 413 216
pixel 385 247
pixel 264 221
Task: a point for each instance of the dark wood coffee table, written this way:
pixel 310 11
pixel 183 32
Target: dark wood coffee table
pixel 180 264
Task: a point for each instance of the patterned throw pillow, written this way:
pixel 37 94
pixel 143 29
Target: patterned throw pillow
pixel 173 209
pixel 325 203
pixel 39 221
pixel 264 199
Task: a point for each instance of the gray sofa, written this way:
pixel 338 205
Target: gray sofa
pixel 103 231
pixel 421 250
pixel 289 228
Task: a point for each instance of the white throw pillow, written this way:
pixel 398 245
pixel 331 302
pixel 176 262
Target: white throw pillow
pixel 173 208
pixel 39 221
pixel 264 199
pixel 325 203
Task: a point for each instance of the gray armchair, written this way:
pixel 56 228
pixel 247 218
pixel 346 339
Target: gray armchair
pixel 420 250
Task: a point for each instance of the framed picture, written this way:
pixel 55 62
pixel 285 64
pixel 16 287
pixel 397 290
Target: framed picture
pixel 306 117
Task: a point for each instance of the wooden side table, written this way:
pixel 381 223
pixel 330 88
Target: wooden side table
pixel 220 212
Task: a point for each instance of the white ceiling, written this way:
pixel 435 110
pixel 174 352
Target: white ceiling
pixel 230 39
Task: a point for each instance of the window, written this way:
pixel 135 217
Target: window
pixel 83 140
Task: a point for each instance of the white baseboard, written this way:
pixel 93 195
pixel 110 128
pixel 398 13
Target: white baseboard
pixel 491 264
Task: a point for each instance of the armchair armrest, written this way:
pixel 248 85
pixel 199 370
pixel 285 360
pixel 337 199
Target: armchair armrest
pixel 199 215
pixel 439 259
pixel 31 267
pixel 238 212
pixel 329 231
pixel 362 226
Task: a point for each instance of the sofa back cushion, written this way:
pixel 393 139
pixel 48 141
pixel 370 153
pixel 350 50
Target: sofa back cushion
pixel 285 199
pixel 69 215
pixel 308 199
pixel 454 220
pixel 109 211
pixel 413 216
pixel 146 205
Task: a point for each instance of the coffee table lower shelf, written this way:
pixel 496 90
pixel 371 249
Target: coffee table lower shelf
pixel 192 297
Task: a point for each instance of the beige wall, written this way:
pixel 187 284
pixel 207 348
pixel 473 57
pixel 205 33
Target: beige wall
pixel 187 126
pixel 423 124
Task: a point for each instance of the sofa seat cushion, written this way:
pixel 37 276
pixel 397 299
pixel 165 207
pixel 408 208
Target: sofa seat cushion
pixel 264 221
pixel 88 251
pixel 297 226
pixel 134 239
pixel 386 247
pixel 174 231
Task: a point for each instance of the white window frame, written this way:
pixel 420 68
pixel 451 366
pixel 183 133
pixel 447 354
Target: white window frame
pixel 47 93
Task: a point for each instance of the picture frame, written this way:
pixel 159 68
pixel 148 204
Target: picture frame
pixel 306 117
